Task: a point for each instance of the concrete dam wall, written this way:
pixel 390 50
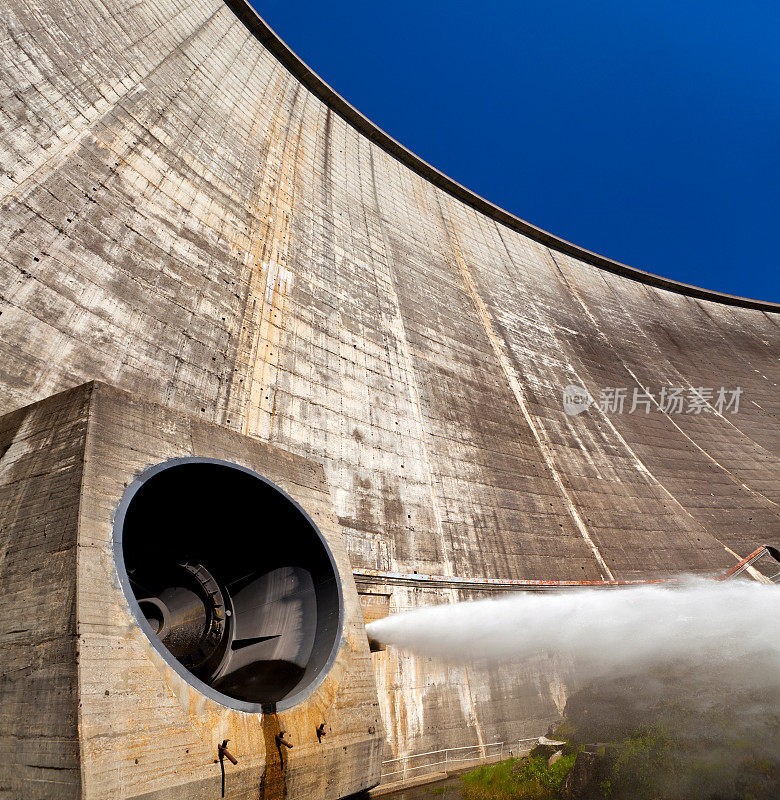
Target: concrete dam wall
pixel 189 214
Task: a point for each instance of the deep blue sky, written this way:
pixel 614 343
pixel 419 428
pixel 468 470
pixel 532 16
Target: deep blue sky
pixel 648 131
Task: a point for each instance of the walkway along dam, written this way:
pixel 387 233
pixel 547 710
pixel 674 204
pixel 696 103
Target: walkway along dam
pixel 257 361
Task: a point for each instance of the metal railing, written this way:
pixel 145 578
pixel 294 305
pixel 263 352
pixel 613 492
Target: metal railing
pixel 524 746
pixel 450 756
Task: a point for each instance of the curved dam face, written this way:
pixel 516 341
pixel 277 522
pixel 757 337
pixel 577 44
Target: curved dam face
pixel 190 218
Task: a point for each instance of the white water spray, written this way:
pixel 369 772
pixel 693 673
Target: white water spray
pixel 695 664
pixel 604 631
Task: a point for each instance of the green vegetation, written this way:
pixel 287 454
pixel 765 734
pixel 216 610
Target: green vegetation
pixel 677 733
pixel 666 733
pixel 647 764
pixel 635 766
pixel 651 764
pixel 529 778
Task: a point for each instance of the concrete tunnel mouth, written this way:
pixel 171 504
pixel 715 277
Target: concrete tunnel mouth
pixel 231 581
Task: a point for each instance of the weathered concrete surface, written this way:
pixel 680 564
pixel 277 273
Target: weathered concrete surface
pixel 41 471
pixel 90 709
pixel 181 216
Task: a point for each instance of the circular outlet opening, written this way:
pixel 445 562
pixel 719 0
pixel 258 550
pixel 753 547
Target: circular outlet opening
pixel 231 581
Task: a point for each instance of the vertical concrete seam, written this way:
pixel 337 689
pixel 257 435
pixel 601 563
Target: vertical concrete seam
pixel 519 394
pixel 414 397
pixel 697 304
pixel 277 229
pixel 89 422
pixel 414 393
pixel 737 355
pixel 753 572
pixel 236 395
pixel 625 366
